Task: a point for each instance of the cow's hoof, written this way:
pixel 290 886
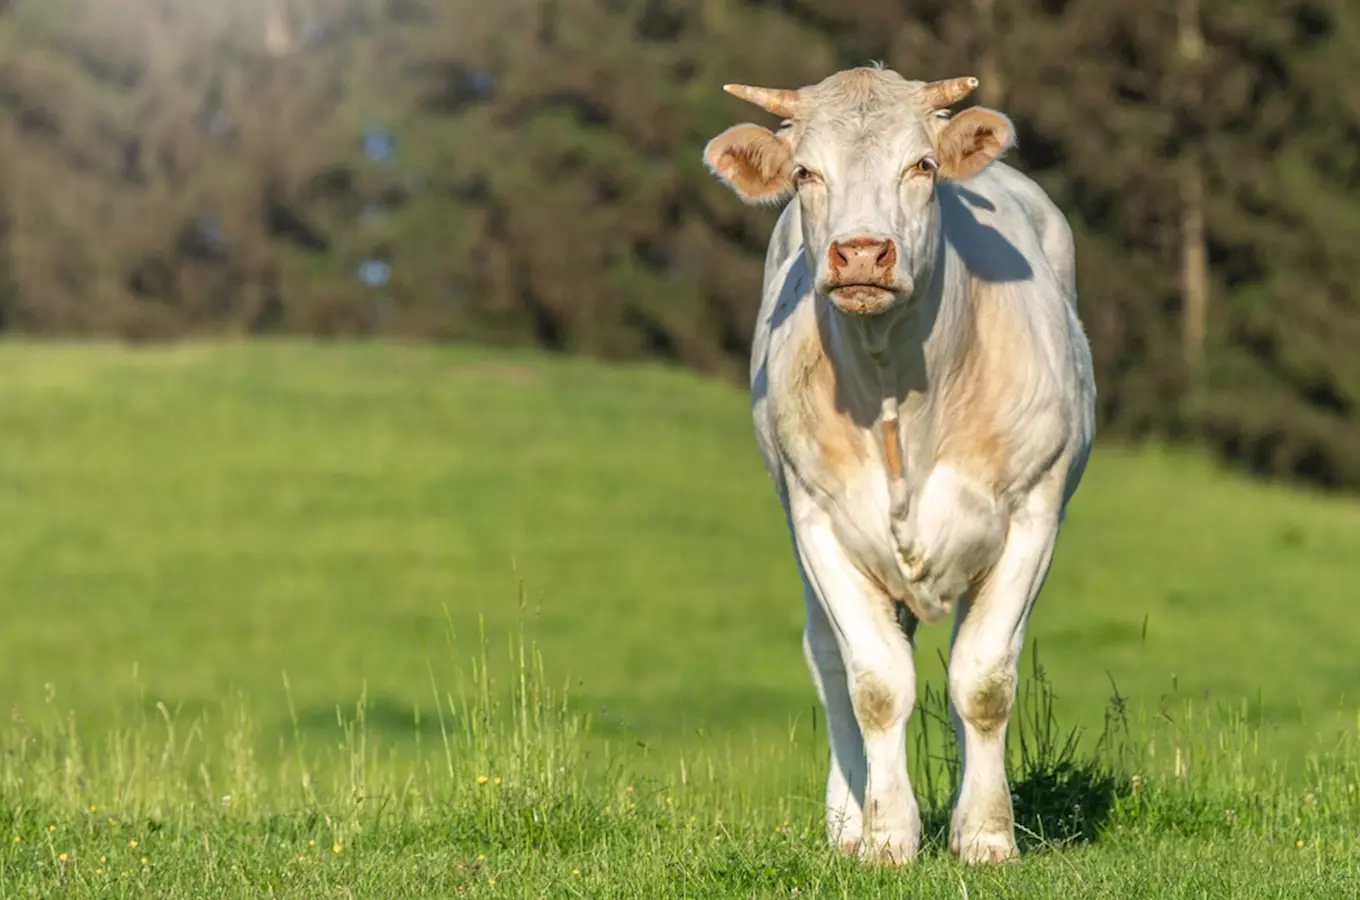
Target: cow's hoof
pixel 994 848
pixel 893 849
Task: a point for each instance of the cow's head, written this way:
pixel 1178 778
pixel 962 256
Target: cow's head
pixel 863 150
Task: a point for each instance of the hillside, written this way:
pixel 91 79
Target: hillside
pixel 211 517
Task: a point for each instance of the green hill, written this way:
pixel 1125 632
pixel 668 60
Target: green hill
pixel 212 516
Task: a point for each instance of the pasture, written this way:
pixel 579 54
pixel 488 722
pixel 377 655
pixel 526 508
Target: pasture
pixel 263 605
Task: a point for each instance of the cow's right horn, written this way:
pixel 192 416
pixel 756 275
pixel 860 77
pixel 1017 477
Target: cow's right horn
pixel 939 94
pixel 773 100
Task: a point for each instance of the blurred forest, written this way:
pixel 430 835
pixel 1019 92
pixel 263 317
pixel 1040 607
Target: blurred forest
pixel 528 171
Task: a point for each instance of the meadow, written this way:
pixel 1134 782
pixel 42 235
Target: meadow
pixel 316 619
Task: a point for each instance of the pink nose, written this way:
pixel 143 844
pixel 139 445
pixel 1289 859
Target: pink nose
pixel 862 260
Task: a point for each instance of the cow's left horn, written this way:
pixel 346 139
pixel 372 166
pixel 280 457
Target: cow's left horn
pixel 773 100
pixel 939 94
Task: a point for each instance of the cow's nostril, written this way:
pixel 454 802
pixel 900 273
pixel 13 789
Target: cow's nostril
pixel 838 258
pixel 888 256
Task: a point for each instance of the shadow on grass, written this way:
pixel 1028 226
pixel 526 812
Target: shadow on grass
pixel 383 715
pixel 1062 795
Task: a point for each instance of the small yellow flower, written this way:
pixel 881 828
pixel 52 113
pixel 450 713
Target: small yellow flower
pixel 491 881
pixel 498 779
pixel 143 860
pixel 670 801
pixel 99 871
pixel 132 843
pixel 1299 844
pixel 51 828
pixel 103 859
pixel 576 871
pixel 17 839
pixel 481 857
pixel 481 779
pixel 62 856
pixel 607 810
pixel 311 842
pixel 335 848
pixel 122 874
pixel 92 808
pixel 629 789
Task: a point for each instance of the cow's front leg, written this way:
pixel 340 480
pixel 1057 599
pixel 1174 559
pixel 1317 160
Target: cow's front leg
pixel 989 633
pixel 881 682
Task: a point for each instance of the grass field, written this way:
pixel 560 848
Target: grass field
pixel 212 553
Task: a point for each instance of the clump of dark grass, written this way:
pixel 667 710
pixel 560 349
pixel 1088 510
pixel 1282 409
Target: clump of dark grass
pixel 1062 794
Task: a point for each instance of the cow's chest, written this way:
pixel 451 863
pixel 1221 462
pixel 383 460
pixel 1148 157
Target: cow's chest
pixel 842 465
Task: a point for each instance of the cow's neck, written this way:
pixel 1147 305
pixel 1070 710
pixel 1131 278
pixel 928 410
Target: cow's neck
pixel 887 379
pixel 905 357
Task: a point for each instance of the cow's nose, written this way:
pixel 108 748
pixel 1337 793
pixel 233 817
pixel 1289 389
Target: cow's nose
pixel 862 260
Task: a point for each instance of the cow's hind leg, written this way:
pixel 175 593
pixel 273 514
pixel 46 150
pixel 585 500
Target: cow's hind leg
pixel 989 633
pixel 845 781
pixel 880 681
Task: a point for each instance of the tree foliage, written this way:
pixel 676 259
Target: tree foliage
pixel 173 168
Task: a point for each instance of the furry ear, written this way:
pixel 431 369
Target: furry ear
pixel 753 161
pixel 971 140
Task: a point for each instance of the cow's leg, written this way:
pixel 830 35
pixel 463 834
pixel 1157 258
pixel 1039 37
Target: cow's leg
pixel 989 632
pixel 881 683
pixel 845 781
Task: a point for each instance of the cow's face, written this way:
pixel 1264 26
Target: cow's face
pixel 863 151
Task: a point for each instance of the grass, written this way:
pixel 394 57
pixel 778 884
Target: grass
pixel 512 801
pixel 200 519
pixel 292 526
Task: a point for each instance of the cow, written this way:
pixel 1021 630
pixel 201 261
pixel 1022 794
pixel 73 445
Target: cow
pixel 923 400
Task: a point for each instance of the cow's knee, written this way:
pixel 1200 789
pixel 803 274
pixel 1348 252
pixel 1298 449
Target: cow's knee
pixel 880 702
pixel 983 695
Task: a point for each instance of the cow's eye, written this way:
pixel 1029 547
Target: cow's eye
pixel 923 166
pixel 804 175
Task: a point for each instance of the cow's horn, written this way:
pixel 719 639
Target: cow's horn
pixel 939 94
pixel 773 100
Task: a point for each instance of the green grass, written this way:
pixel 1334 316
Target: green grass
pixel 210 517
pixel 512 801
pixel 236 541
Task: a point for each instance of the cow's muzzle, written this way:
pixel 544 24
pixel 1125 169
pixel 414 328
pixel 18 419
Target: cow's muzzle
pixel 861 275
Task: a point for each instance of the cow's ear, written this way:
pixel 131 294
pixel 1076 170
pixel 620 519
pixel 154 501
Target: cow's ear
pixel 971 141
pixel 753 161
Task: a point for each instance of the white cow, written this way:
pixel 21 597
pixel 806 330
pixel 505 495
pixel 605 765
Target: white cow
pixel 923 398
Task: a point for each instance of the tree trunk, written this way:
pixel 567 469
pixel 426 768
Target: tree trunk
pixel 1194 253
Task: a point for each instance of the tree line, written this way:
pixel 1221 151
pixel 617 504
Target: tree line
pixel 529 171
